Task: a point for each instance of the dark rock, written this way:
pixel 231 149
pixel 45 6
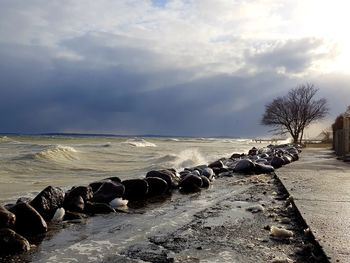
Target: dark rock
pixel 253 151
pixel 287 159
pixel 208 172
pixel 135 189
pixel 263 169
pixel 236 156
pixel 7 219
pixel 11 242
pixel 218 171
pixel 277 162
pixel 74 216
pixel 190 183
pixel 24 200
pixel 84 191
pixel 114 179
pixel 244 166
pixel 28 220
pixel 98 208
pixel 216 164
pixel 156 186
pixel 165 175
pixel 47 201
pixel 108 191
pixel 205 181
pixel 74 203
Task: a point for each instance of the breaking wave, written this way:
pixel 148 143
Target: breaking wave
pixel 139 143
pixel 186 158
pixel 57 153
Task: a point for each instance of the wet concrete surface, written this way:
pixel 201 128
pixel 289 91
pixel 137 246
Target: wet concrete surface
pixel 229 222
pixel 320 186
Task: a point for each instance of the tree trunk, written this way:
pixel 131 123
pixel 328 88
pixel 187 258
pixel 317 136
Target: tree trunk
pixel 301 136
pixel 295 139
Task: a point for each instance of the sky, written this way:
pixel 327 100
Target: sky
pixel 166 67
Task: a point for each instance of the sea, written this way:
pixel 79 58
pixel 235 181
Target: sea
pixel 28 164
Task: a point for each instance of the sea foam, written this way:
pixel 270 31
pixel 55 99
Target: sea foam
pixel 57 152
pixel 139 143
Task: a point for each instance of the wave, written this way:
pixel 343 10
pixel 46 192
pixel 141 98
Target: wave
pixel 139 143
pixel 186 158
pixel 5 139
pixel 57 153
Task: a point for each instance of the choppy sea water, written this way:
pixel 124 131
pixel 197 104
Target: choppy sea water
pixel 30 163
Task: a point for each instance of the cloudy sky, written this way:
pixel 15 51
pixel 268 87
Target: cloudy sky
pixel 170 67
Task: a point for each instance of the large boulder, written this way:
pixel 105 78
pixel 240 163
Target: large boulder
pixel 47 201
pixel 108 191
pixel 205 181
pixel 216 164
pixel 191 183
pixel 156 186
pixel 208 172
pixel 277 162
pixel 11 242
pixel 244 166
pixel 169 176
pixel 135 189
pixel 263 168
pixel 7 219
pixel 76 198
pixel 28 220
pixel 84 191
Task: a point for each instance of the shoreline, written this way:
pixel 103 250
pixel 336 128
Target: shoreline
pixel 257 204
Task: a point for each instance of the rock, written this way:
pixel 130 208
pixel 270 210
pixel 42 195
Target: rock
pixel 7 219
pixel 191 183
pixel 163 174
pixel 253 151
pixel 114 179
pixel 287 159
pixel 208 172
pixel 218 171
pixel 244 166
pixel 236 156
pixel 156 186
pixel 263 169
pixel 11 242
pixel 74 203
pixel 216 164
pixel 59 215
pixel 24 200
pixel 108 191
pixel 47 201
pixel 205 181
pixel 73 216
pixel 277 162
pixel 84 191
pixel 28 220
pixel 98 208
pixel 135 189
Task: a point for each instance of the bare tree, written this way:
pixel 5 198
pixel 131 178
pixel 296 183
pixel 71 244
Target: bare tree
pixel 295 111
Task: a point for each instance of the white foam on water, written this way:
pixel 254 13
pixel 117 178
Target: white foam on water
pixel 57 153
pixel 189 158
pixel 139 143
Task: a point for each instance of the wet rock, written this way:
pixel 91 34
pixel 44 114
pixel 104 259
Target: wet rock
pixel 165 175
pixel 216 164
pixel 191 183
pixel 59 215
pixel 84 191
pixel 28 220
pixel 244 166
pixel 263 169
pixel 277 162
pixel 135 189
pixel 108 191
pixel 236 156
pixel 7 219
pixel 156 186
pixel 287 159
pixel 205 181
pixel 148 253
pixel 253 151
pixel 208 172
pixel 47 201
pixel 98 208
pixel 12 243
pixel 74 203
pixel 24 200
pixel 73 216
pixel 114 179
pixel 218 171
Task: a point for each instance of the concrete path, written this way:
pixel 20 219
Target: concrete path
pixel 320 185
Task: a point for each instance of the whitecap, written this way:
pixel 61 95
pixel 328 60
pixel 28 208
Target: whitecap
pixel 57 152
pixel 139 143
